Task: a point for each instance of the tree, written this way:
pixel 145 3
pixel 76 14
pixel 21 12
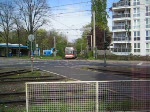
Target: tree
pixel 99 6
pixel 81 43
pixel 61 43
pixel 6 22
pixel 41 34
pixel 18 27
pixel 102 33
pixel 33 13
pixel 45 40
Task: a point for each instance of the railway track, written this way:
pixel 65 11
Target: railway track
pixel 16 84
pixel 13 72
pixel 26 79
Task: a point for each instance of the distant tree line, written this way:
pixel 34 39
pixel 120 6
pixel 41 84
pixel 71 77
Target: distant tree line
pixel 19 18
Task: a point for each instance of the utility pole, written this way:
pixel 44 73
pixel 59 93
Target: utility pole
pixel 104 49
pixel 54 46
pixel 91 42
pixel 81 48
pixel 94 40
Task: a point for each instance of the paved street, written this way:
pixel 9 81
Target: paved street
pixel 116 89
pixel 72 68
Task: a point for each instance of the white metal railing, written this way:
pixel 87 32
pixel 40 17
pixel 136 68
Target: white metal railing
pixel 123 38
pixel 121 15
pixel 122 49
pixel 122 27
pixel 136 15
pixel 88 96
pixel 121 3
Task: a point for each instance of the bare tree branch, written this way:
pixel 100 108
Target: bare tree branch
pixel 33 13
pixel 6 23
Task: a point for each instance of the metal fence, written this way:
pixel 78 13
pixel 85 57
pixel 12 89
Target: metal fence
pixel 88 96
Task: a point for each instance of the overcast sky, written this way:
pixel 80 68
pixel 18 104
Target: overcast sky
pixel 69 16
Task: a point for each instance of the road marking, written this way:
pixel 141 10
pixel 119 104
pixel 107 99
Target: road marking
pixel 140 63
pixel 58 74
pixel 59 66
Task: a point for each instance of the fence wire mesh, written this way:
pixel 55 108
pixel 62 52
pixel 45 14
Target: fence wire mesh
pixel 88 96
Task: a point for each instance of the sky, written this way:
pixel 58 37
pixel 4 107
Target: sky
pixel 69 16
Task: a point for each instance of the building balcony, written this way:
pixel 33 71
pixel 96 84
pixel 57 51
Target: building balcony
pixel 121 39
pixel 119 27
pixel 121 50
pixel 121 4
pixel 121 15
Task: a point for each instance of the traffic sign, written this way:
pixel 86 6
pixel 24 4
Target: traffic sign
pixel 31 37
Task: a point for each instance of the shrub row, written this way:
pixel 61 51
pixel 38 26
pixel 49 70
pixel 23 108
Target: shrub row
pixel 126 58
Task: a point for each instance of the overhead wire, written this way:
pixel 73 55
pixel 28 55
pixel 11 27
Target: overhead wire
pixel 62 24
pixel 72 12
pixel 69 12
pixel 70 4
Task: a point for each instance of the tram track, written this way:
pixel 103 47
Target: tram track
pixel 13 72
pixel 12 84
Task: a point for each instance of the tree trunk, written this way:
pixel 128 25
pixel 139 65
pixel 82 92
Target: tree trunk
pixel 18 42
pixel 7 49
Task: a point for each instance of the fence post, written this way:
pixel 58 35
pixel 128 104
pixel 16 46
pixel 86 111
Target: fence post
pixel 97 97
pixel 27 106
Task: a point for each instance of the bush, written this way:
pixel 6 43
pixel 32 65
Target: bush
pixel 126 58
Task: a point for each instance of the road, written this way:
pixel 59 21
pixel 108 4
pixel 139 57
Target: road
pixel 137 91
pixel 72 68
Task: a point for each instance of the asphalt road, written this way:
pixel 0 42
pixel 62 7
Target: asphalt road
pixel 72 68
pixel 117 90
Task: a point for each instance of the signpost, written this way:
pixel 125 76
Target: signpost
pixel 31 39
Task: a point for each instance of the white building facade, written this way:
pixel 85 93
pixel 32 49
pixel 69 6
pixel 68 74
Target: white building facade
pixel 131 27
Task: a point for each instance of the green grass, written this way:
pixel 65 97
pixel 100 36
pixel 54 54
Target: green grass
pixel 50 57
pixel 38 57
pixel 15 108
pixel 9 69
pixel 119 106
pixel 29 74
pixel 63 107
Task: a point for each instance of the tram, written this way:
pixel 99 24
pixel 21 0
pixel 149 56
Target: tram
pixel 70 53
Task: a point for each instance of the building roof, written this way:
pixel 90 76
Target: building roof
pixel 4 45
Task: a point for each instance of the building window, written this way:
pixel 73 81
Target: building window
pixel 147 1
pixel 136 23
pixel 148 51
pixel 136 50
pixel 148 35
pixel 136 12
pixel 136 47
pixel 148 45
pixel 148 48
pixel 147 22
pixel 136 35
pixel 147 10
pixel 136 2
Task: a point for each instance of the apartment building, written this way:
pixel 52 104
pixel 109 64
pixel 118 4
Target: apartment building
pixel 131 27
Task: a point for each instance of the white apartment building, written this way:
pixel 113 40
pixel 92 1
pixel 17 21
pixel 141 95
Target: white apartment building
pixel 136 15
